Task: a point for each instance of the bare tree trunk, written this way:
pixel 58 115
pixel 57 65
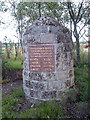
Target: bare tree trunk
pixel 76 35
pixel 71 26
pixel 7 51
pixel 20 33
pixel 39 7
pixel 78 48
pixel 16 51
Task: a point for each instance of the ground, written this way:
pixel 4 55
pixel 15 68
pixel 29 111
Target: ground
pixel 7 87
pixel 15 105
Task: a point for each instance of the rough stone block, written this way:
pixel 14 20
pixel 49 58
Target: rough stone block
pixel 68 83
pixel 35 76
pixel 54 85
pixel 33 93
pixel 49 94
pixel 42 76
pixel 25 75
pixel 71 73
pixel 26 91
pixel 62 75
pixel 72 81
pixel 34 39
pixel 50 76
pixel 59 66
pixel 48 38
pixel 26 66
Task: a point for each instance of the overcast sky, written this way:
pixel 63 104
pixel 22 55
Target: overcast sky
pixel 9 28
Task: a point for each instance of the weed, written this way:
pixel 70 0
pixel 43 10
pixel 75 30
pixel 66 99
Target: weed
pixel 48 109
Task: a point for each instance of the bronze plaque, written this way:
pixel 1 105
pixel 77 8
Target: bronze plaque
pixel 42 58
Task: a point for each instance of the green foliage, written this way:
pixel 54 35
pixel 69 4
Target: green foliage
pixel 14 64
pixel 83 57
pixel 11 63
pixel 46 109
pixel 4 63
pixel 17 92
pixel 81 110
pixel 81 81
pixel 9 108
pixel 68 97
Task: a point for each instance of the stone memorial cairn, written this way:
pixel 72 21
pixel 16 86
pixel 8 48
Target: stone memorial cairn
pixel 47 60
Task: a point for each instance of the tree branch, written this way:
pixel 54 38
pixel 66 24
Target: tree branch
pixel 79 11
pixel 71 11
pixel 83 27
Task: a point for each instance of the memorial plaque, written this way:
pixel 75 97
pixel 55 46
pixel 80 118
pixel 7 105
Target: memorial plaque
pixel 42 58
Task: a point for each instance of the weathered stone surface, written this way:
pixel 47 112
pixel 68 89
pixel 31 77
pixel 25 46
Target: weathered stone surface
pixel 62 75
pixel 46 85
pixel 71 73
pixel 25 75
pixel 72 81
pixel 68 83
pixel 49 94
pixel 48 38
pixel 54 85
pixel 45 76
pixel 34 93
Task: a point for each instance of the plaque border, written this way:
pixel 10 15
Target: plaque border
pixel 54 58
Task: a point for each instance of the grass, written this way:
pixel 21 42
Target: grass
pixel 47 109
pixel 52 110
pixel 9 102
pixel 83 56
pixel 12 64
pixel 81 81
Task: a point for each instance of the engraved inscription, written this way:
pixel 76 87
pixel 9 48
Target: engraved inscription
pixel 41 58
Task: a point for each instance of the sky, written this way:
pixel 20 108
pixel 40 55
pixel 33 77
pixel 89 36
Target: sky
pixel 9 28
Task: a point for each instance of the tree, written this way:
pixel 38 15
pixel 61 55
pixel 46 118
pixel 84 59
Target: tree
pixel 9 46
pixel 3 8
pixel 17 12
pixel 77 16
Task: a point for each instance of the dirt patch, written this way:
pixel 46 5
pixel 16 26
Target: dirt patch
pixel 12 74
pixel 7 87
